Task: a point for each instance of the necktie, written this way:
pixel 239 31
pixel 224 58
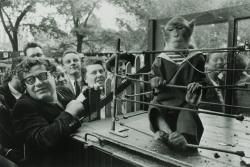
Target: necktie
pixel 77 88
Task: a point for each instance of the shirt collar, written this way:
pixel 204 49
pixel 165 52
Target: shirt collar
pixel 14 92
pixel 79 80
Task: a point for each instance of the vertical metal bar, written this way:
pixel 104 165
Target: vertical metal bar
pixel 149 58
pixel 115 85
pixel 230 74
pixel 151 40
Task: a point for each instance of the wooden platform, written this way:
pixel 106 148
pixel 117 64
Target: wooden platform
pixel 139 149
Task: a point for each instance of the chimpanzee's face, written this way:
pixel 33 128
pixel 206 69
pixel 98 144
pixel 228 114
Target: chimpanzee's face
pixel 177 33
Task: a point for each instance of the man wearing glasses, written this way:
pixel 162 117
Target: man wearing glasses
pixel 33 49
pixel 44 117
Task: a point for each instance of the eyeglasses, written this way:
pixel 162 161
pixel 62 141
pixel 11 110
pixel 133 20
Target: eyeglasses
pixel 37 55
pixel 32 79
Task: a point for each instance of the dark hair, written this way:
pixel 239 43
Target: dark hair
pixel 28 63
pixel 30 45
pixel 125 56
pixel 7 76
pixel 67 52
pixel 90 61
pixel 208 56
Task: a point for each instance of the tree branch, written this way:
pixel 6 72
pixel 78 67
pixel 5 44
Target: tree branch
pixel 23 13
pixel 8 18
pixel 89 14
pixel 5 26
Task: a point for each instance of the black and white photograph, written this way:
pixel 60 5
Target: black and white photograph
pixel 124 83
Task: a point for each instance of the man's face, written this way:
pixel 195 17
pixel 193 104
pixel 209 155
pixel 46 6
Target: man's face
pixel 95 74
pixel 71 63
pixel 60 77
pixel 121 68
pixel 34 52
pixel 44 87
pixel 216 61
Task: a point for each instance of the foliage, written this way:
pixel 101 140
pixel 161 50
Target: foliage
pixel 86 33
pixel 11 14
pixel 143 10
pixel 77 14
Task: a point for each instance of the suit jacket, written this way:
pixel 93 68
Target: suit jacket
pixel 8 140
pixel 7 137
pixel 70 86
pixel 212 96
pixel 8 97
pixel 44 128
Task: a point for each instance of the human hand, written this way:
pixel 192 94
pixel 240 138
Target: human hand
pixel 83 95
pixel 177 141
pixel 74 107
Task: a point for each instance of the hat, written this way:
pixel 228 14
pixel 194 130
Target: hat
pixel 125 56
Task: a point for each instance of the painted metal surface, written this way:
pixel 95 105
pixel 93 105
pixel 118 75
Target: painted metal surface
pixel 139 149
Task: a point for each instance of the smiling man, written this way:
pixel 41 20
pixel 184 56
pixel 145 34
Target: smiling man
pixel 93 72
pixel 72 64
pixel 44 116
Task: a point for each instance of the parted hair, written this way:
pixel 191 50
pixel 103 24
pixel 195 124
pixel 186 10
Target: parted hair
pixel 30 45
pixel 90 61
pixel 28 63
pixel 208 56
pixel 67 52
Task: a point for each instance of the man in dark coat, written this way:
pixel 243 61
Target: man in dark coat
pixel 44 117
pixel 12 89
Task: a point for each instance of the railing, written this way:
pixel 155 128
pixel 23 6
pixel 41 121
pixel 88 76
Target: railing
pixel 133 88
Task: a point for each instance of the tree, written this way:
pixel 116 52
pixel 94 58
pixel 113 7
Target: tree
pixel 78 13
pixel 144 10
pixel 14 10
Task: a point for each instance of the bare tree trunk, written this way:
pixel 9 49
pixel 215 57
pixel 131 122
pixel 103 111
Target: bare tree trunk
pixel 15 41
pixel 79 42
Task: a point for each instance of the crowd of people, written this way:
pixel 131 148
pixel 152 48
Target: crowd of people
pixel 41 101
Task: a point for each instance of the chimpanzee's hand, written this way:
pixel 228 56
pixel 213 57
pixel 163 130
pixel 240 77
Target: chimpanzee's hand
pixel 177 141
pixel 194 93
pixel 194 88
pixel 157 82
